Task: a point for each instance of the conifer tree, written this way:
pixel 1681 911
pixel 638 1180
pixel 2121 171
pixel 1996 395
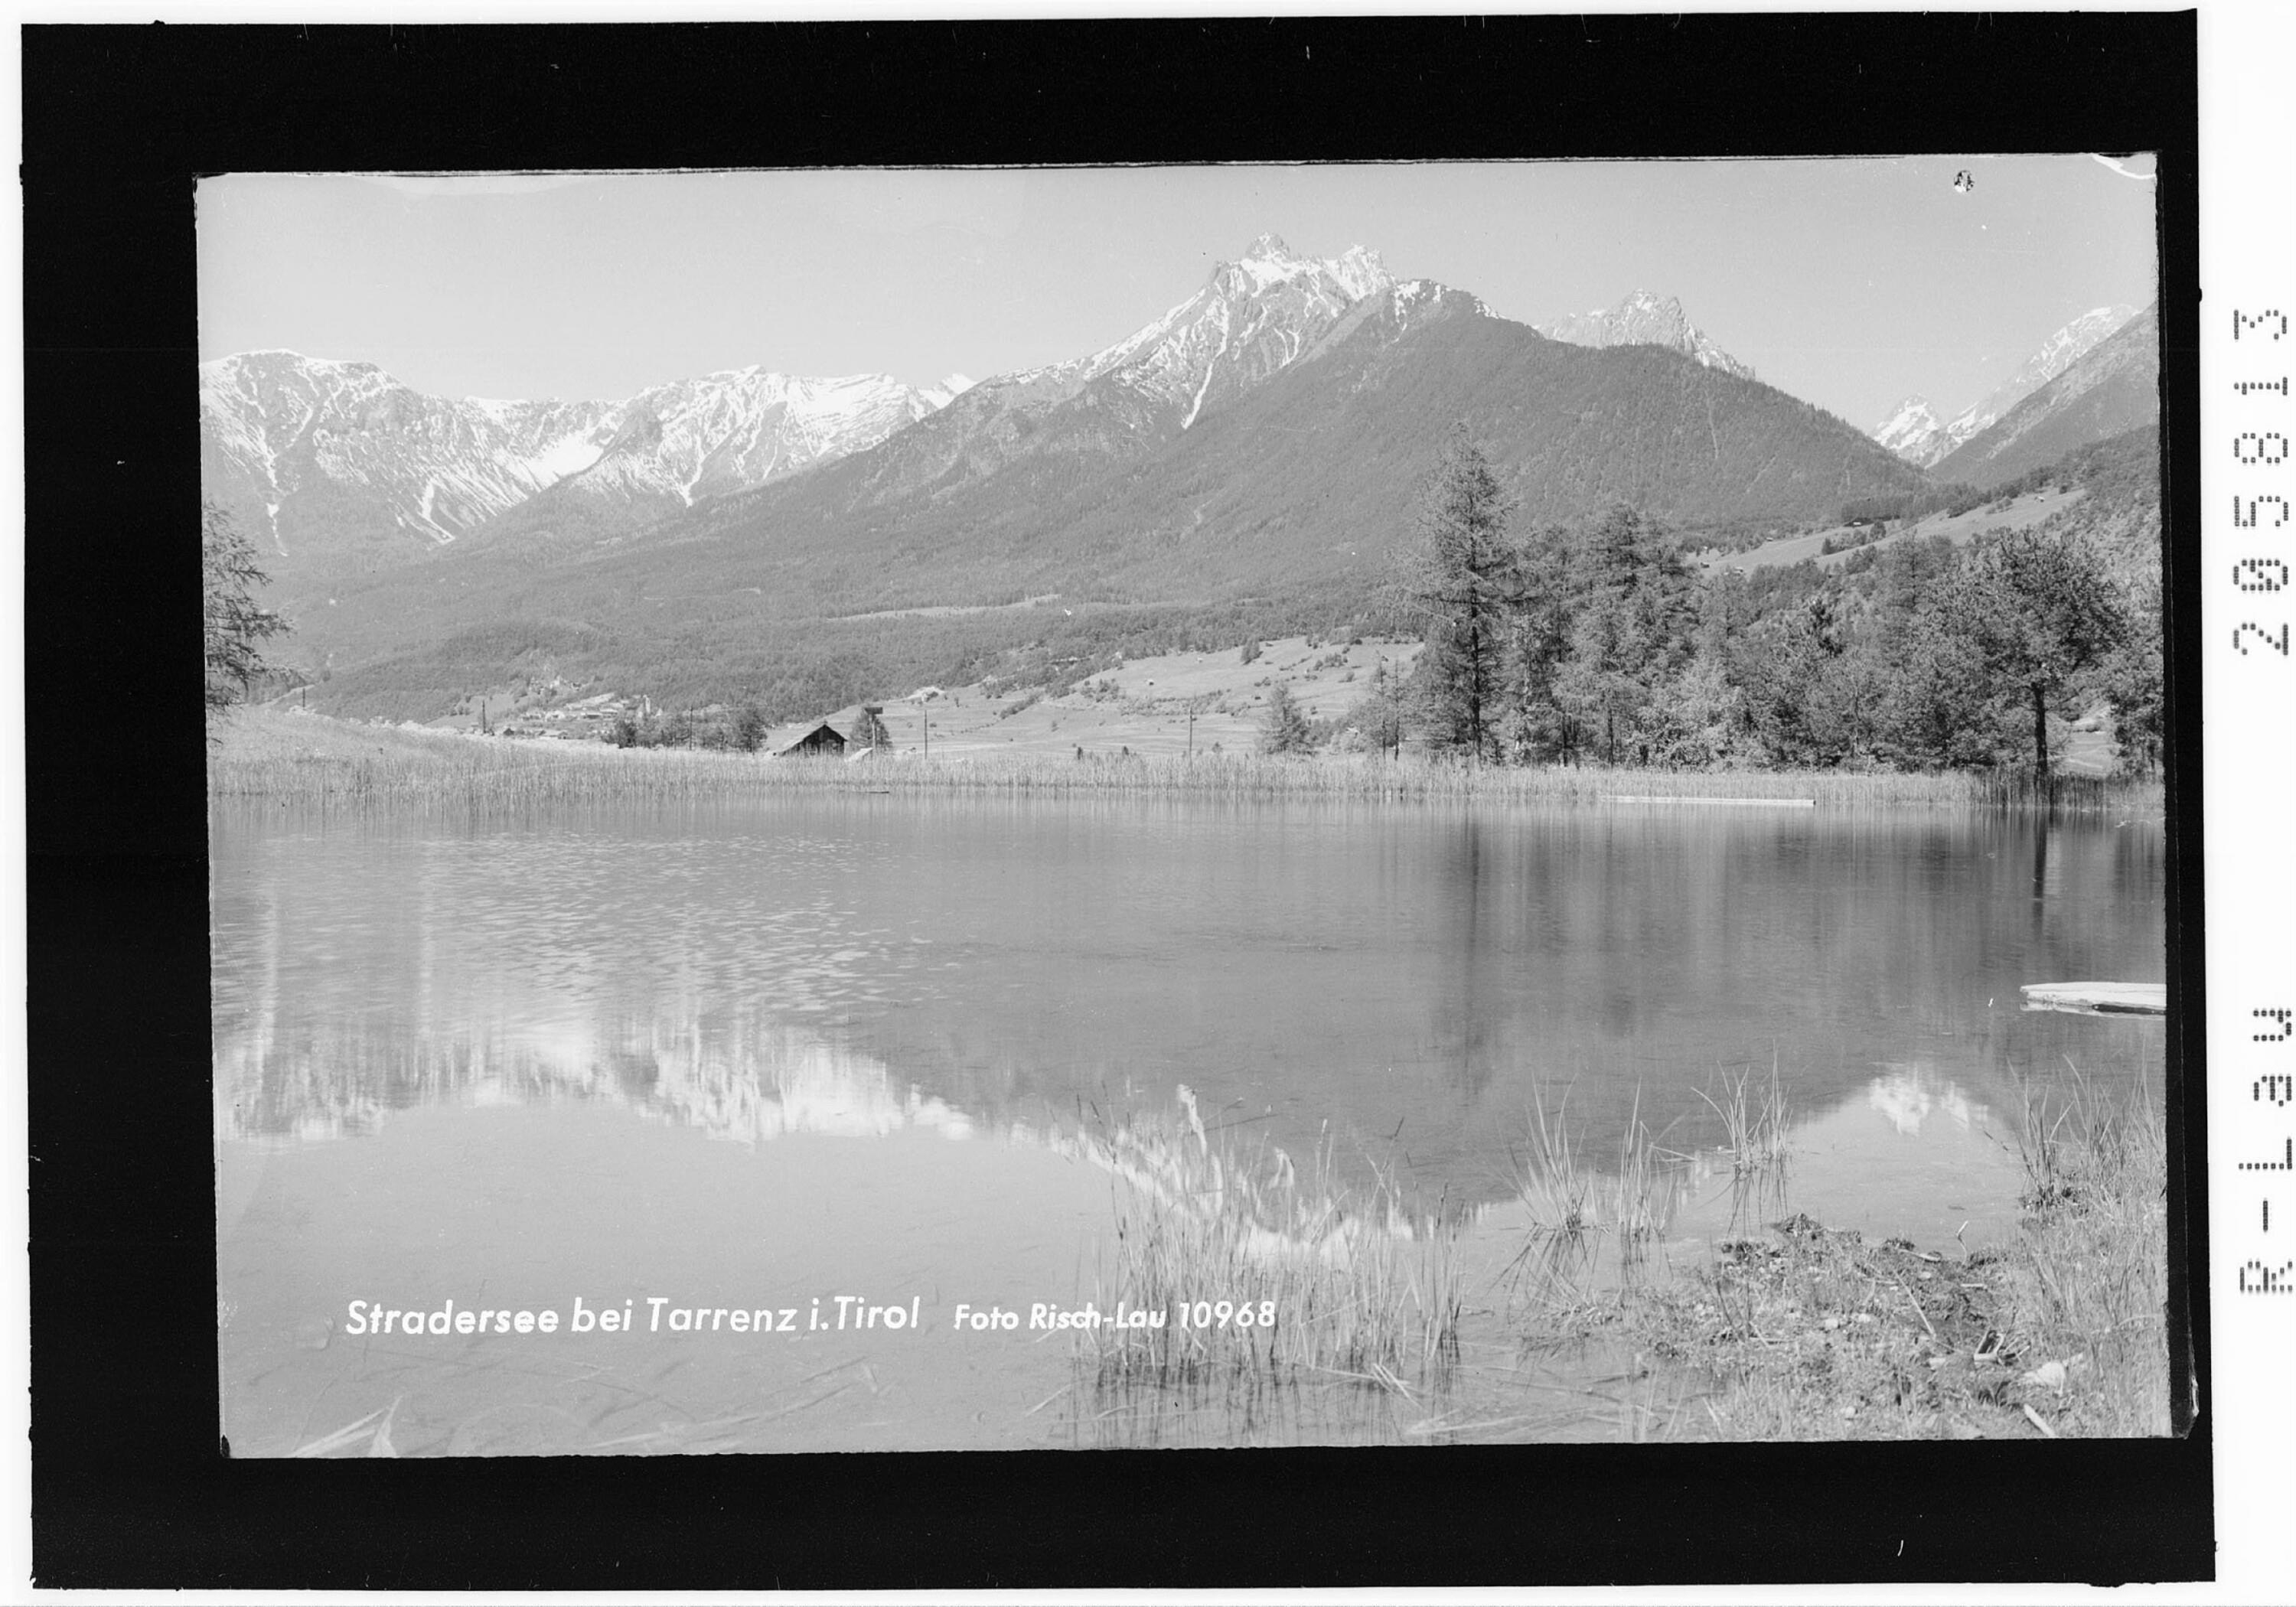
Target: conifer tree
pixel 1283 729
pixel 1467 584
pixel 235 623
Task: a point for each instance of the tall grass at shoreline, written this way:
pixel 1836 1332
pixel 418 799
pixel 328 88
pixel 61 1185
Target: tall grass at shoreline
pixel 1809 1332
pixel 2092 1282
pixel 1359 1286
pixel 309 759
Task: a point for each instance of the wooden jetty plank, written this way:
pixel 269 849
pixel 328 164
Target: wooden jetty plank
pixel 2099 999
pixel 1773 803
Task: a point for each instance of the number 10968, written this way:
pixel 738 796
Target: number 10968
pixel 1226 1313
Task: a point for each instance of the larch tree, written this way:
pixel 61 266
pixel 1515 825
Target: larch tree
pixel 1537 728
pixel 1466 583
pixel 235 623
pixel 1618 630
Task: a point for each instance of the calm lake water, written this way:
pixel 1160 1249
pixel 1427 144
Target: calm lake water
pixel 756 1057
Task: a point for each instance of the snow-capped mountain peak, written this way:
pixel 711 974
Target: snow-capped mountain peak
pixel 1255 315
pixel 1912 428
pixel 951 386
pixel 1268 261
pixel 2055 355
pixel 279 428
pixel 1644 319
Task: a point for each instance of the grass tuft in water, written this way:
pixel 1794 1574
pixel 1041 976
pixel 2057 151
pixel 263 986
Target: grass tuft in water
pixel 1561 1281
pixel 1755 1120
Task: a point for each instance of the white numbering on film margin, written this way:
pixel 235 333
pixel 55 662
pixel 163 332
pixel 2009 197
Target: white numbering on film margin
pixel 2259 449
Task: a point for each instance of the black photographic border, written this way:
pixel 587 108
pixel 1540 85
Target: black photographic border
pixel 129 1485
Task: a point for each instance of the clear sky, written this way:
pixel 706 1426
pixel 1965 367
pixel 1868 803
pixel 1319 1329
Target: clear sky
pixel 1851 283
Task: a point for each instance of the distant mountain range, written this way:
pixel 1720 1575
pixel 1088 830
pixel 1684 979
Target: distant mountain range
pixel 1246 464
pixel 1252 456
pixel 1644 319
pixel 1304 474
pixel 338 465
pixel 2112 386
pixel 1914 432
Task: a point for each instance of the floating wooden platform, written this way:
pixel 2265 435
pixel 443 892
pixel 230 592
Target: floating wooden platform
pixel 2099 999
pixel 1763 803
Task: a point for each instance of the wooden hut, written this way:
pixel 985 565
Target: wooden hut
pixel 824 741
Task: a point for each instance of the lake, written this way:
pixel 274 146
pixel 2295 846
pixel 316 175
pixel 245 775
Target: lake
pixel 731 1074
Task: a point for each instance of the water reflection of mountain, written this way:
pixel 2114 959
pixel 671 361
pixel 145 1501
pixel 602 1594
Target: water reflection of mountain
pixel 751 1084
pixel 1409 983
pixel 1911 1095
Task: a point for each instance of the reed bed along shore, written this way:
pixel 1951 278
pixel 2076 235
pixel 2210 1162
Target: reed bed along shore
pixel 1236 1260
pixel 310 759
pixel 1786 1330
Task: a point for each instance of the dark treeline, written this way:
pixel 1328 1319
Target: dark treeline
pixel 1596 642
